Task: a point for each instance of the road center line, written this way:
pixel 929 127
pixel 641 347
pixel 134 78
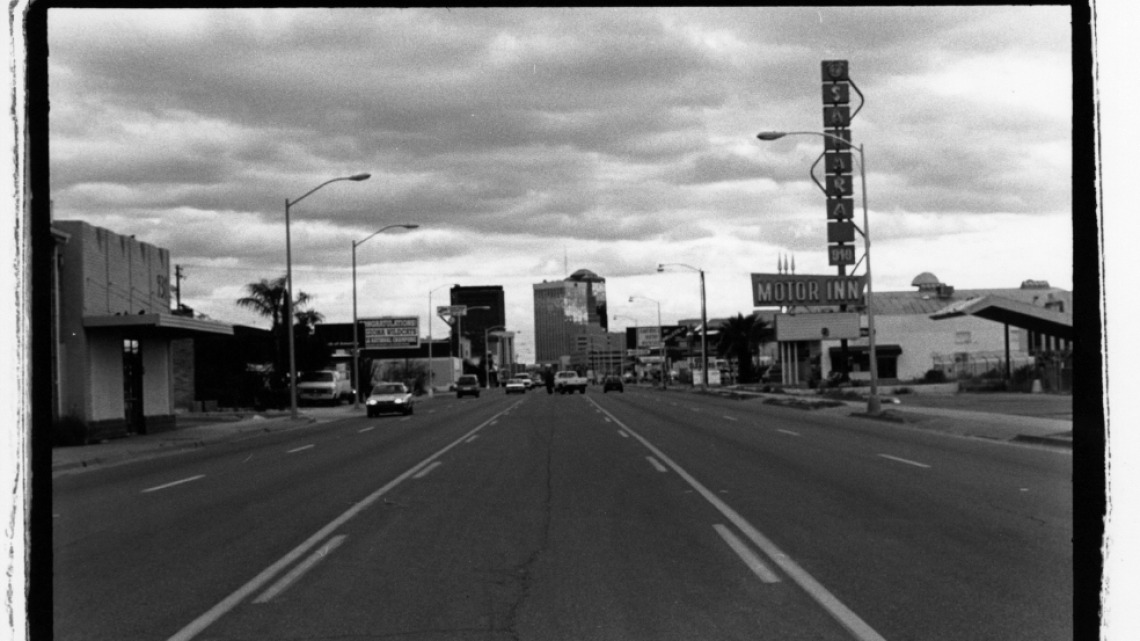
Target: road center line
pixel 163 487
pixel 300 570
pixel 657 464
pixel 300 449
pixel 758 567
pixel 427 470
pixel 903 460
pixel 204 620
pixel 840 612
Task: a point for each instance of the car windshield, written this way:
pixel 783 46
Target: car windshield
pixel 317 377
pixel 389 388
pixel 467 380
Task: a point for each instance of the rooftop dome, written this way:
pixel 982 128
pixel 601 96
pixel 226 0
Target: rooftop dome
pixel 585 275
pixel 925 280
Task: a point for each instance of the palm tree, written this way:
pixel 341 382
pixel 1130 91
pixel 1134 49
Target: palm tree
pixel 267 298
pixel 739 339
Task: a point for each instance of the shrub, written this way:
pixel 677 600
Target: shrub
pixel 934 376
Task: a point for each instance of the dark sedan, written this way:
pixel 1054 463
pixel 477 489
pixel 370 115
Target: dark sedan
pixel 613 383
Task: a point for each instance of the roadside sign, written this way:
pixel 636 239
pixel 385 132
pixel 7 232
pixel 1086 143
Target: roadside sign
pixel 392 332
pixel 842 231
pixel 451 310
pixel 841 255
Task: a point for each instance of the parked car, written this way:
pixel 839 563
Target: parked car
pixel 467 384
pixel 324 386
pixel 390 397
pixel 515 386
pixel 613 383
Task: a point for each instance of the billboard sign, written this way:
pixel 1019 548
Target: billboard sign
pixel 391 332
pixel 817 327
pixel 786 290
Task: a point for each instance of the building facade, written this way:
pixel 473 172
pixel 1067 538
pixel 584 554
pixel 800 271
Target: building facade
pixel 477 324
pixel 112 356
pixel 565 310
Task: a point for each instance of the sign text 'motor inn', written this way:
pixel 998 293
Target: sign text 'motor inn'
pixel 785 290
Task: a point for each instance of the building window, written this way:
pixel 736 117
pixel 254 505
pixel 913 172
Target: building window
pixel 962 338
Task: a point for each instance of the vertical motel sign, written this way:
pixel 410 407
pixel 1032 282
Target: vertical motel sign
pixel 839 184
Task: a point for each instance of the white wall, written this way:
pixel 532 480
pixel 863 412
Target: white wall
pixel 104 377
pixel 157 399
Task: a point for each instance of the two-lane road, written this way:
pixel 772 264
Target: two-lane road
pixel 635 516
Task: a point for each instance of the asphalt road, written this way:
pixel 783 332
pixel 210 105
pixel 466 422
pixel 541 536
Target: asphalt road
pixel 535 517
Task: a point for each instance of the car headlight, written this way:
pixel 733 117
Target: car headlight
pixel 400 400
pixel 371 401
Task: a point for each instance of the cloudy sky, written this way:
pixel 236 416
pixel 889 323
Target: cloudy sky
pixel 530 143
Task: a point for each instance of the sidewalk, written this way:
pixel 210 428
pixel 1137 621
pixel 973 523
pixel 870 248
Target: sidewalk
pixel 1025 418
pixel 196 430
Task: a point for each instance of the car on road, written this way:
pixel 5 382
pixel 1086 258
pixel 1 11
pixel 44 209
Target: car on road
pixel 613 383
pixel 324 386
pixel 568 382
pixel 515 386
pixel 467 385
pixel 390 397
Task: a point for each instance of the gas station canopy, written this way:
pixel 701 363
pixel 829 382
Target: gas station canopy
pixel 1012 312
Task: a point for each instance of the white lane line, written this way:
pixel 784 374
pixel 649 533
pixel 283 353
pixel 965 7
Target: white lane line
pixel 471 439
pixel 607 419
pixel 758 567
pixel 730 418
pixel 427 470
pixel 657 464
pixel 789 432
pixel 163 487
pixel 903 460
pixel 840 612
pixel 227 604
pixel 300 570
pixel 623 434
pixel 300 449
pixel 367 429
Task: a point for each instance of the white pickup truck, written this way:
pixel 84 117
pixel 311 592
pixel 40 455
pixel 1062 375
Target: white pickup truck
pixel 567 381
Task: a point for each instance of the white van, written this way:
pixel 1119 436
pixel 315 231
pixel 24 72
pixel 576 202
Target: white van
pixel 324 386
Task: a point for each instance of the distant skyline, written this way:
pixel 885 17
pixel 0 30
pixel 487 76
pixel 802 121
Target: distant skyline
pixel 530 143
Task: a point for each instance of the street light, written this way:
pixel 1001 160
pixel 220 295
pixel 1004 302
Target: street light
pixel 431 340
pixel 873 406
pixel 704 323
pixel 289 285
pixel 355 338
pixel 660 337
pixel 487 351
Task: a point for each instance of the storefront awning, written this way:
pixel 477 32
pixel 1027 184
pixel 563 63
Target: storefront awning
pixel 157 325
pixel 1012 312
pixel 880 350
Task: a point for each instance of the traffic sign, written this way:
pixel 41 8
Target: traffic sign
pixel 451 310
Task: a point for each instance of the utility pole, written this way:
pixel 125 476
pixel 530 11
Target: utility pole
pixel 178 286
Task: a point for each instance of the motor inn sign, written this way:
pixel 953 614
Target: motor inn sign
pixel 787 290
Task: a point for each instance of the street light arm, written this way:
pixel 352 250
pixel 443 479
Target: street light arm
pixel 357 177
pixel 357 243
pixel 776 135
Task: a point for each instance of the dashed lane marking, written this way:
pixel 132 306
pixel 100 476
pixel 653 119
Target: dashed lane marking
pixel 903 460
pixel 790 432
pixel 300 449
pixel 656 464
pixel 173 483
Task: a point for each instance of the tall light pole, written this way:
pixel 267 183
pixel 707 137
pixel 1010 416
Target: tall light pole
pixel 289 285
pixel 355 338
pixel 487 350
pixel 704 323
pixel 873 406
pixel 431 340
pixel 660 337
